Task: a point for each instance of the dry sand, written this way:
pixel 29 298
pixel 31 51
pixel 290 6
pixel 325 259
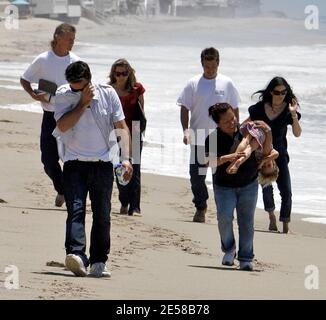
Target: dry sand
pixel 161 255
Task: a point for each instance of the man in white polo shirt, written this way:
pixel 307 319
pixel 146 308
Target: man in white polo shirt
pixel 51 66
pixel 86 117
pixel 200 93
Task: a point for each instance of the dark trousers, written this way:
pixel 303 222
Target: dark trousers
pixel 49 151
pixel 79 179
pixel 198 171
pixel 130 193
pixel 284 185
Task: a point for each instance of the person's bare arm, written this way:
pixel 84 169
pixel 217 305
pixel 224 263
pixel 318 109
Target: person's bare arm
pixel 269 153
pixel 296 128
pixel 184 118
pixel 268 143
pixel 216 162
pixel 142 102
pixel 271 156
pixel 36 96
pixel 125 145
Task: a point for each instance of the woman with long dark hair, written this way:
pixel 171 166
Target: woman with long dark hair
pixel 277 107
pixel 123 80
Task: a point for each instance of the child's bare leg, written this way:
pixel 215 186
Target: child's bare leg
pixel 234 166
pixel 244 143
pixel 251 145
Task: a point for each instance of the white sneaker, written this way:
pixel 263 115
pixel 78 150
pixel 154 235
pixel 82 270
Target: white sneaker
pixel 98 270
pixel 228 259
pixel 246 266
pixel 75 264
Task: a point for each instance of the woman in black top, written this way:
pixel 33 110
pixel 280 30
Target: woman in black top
pixel 278 108
pixel 233 191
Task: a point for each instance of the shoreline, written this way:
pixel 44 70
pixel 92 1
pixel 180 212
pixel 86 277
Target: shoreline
pixel 32 238
pixel 7 117
pixel 302 215
pixel 256 32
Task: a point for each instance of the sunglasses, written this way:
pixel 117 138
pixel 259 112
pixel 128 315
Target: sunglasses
pixel 279 93
pixel 75 80
pixel 123 73
pixel 77 90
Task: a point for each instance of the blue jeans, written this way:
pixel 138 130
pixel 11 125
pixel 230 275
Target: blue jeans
pixel 130 193
pixel 284 185
pixel 79 179
pixel 244 201
pixel 49 151
pixel 198 171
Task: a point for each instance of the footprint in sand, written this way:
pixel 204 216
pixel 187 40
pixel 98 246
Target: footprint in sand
pixel 7 121
pixel 55 264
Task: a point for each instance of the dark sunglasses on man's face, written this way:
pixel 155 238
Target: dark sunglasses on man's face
pixel 279 93
pixel 78 90
pixel 123 73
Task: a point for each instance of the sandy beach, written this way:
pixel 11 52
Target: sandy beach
pixel 163 248
pixel 160 255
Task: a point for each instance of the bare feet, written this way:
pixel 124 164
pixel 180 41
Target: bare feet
pixel 272 222
pixel 286 227
pixel 234 166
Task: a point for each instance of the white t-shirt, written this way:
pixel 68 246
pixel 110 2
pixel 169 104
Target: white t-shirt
pixel 86 142
pixel 199 95
pixel 50 67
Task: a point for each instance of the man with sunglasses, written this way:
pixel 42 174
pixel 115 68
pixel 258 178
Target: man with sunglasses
pixel 200 93
pixel 51 66
pixel 87 116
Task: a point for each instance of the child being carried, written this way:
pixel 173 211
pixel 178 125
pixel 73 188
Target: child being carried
pixel 258 138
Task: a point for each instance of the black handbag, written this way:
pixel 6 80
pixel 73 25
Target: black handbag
pixel 140 116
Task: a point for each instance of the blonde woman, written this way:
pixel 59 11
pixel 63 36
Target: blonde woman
pixel 122 78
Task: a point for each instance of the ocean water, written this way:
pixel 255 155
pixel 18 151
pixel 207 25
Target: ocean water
pixel 164 71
